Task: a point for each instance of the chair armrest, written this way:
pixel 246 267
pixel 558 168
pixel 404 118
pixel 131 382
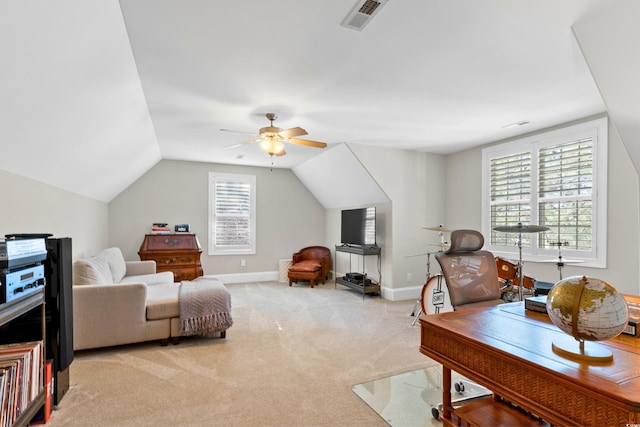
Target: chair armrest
pixel 138 268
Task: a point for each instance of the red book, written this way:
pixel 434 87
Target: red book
pixel 44 414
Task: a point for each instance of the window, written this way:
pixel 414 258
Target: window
pixel 557 180
pixel 232 214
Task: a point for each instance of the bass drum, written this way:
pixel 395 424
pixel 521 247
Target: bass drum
pixel 435 296
pixel 507 271
pixel 509 274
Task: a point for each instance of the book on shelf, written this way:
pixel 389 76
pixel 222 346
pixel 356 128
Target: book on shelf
pixel 634 320
pixel 43 415
pixel 21 378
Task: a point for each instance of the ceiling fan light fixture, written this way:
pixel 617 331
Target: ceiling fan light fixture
pixel 271 146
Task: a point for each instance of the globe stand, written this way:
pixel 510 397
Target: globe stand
pixel 580 350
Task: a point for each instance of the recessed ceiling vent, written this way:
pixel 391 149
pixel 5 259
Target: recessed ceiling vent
pixel 362 13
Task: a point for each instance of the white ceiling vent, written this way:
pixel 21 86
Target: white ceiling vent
pixel 362 13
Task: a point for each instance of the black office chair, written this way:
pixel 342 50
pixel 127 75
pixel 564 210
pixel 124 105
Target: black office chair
pixel 470 273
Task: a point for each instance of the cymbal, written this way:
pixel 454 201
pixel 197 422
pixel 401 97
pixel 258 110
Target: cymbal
pixel 563 260
pixel 440 228
pixel 520 228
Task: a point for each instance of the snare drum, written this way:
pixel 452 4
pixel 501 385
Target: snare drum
pixel 435 296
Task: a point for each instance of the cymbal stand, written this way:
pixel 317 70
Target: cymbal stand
pixel 520 269
pixel 560 263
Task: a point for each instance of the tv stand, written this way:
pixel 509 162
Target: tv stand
pixel 363 284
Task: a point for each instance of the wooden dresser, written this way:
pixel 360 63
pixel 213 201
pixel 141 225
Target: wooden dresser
pixel 179 253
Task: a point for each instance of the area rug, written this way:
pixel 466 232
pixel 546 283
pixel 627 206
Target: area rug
pixel 413 398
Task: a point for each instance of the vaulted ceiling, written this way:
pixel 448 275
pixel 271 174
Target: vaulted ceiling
pixel 96 93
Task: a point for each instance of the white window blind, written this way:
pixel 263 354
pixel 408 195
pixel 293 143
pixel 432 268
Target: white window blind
pixel 557 180
pixel 565 188
pixel 510 193
pixel 231 214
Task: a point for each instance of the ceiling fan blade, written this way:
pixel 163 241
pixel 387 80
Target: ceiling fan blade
pixel 282 153
pixel 308 143
pixel 229 147
pixel 239 131
pixel 241 144
pixel 293 132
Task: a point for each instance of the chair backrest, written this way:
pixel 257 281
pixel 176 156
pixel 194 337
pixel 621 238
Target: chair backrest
pixel 471 274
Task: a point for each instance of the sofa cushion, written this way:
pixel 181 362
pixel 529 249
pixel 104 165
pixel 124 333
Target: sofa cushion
pixel 116 263
pixel 162 301
pixel 92 271
pixel 150 279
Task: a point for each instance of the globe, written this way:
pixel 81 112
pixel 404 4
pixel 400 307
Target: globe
pixel 588 309
pixel 602 311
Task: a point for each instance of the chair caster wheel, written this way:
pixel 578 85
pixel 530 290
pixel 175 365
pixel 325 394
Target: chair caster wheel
pixel 435 413
pixel 459 387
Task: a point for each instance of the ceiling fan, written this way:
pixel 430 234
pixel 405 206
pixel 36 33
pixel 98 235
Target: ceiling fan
pixel 272 139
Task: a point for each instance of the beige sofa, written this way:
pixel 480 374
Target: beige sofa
pixel 117 302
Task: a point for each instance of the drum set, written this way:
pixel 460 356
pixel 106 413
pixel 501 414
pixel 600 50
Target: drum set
pixel 514 284
pixel 508 293
pixel 435 284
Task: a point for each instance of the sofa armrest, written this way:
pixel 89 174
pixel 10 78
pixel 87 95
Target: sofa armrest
pixel 103 314
pixel 137 268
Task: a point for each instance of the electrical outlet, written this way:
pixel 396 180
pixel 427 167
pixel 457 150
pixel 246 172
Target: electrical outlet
pixel 243 263
pixel 409 277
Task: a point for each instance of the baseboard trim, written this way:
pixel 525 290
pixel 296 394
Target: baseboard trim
pixel 261 276
pixel 401 294
pixel 391 294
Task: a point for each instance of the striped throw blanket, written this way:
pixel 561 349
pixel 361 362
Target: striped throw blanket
pixel 205 307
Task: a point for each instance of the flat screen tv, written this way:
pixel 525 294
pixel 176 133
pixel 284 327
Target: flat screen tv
pixel 359 227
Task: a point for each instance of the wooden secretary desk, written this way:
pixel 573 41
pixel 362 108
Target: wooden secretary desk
pixel 179 253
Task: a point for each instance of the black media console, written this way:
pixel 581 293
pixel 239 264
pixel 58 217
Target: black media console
pixel 356 280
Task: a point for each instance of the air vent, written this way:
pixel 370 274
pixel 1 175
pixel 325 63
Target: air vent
pixel 362 13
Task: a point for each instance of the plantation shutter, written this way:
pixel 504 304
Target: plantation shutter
pixel 556 179
pixel 510 194
pixel 565 191
pixel 232 213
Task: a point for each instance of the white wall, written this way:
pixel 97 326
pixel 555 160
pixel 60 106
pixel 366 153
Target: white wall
pixel 176 192
pixel 414 181
pixel 29 206
pixel 464 190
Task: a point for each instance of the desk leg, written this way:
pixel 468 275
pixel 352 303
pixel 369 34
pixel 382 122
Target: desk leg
pixel 446 393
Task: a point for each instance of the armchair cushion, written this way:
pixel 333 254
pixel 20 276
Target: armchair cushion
pixel 306 265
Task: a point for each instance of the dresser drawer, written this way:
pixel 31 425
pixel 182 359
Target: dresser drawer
pixel 176 259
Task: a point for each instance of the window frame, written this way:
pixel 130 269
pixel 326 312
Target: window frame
pixel 249 249
pixel 596 129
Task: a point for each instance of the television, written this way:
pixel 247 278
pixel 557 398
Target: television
pixel 358 227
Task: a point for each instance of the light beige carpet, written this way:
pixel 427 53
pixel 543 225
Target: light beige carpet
pixel 290 359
